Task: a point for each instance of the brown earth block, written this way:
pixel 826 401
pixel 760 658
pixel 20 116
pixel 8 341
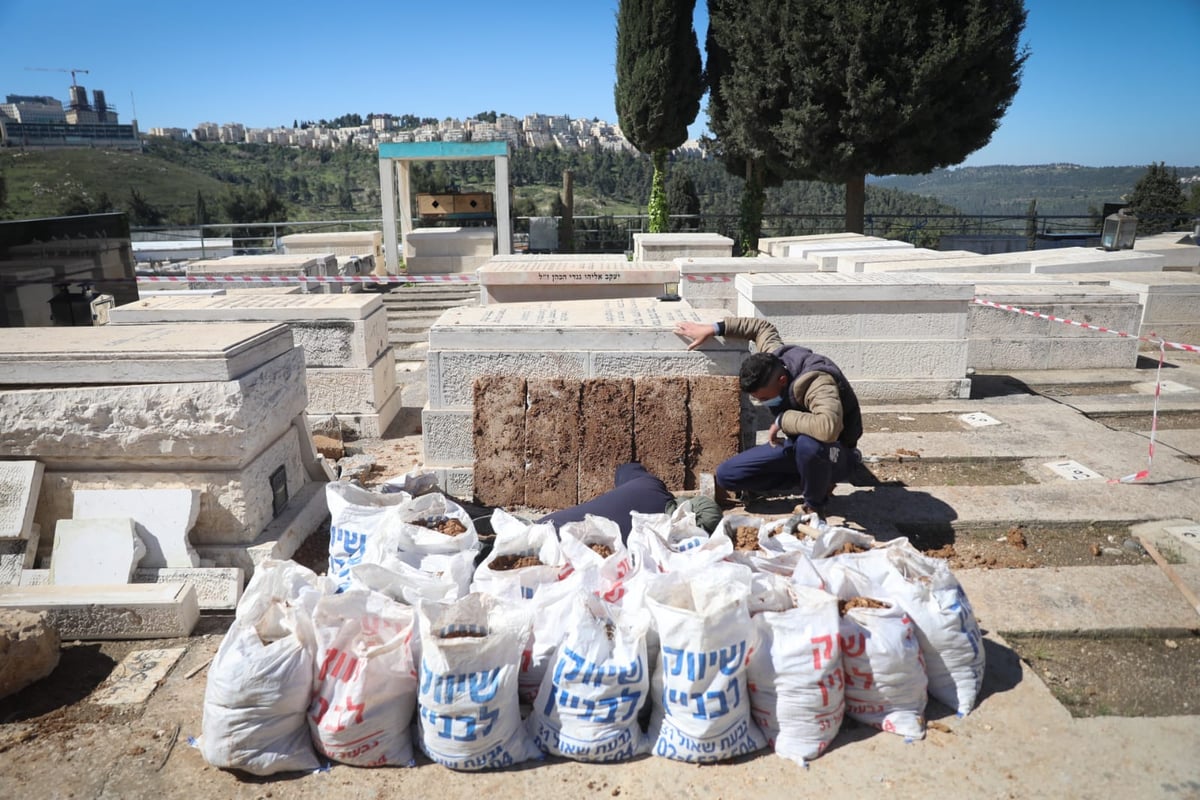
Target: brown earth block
pixel 660 427
pixel 714 409
pixel 606 412
pixel 552 444
pixel 499 437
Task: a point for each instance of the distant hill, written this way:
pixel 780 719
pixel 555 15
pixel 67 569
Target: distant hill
pixel 1060 189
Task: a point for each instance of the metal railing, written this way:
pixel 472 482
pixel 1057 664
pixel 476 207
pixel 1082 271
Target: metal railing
pixel 614 233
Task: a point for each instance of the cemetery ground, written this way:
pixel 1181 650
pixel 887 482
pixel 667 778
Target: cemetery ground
pixel 1086 712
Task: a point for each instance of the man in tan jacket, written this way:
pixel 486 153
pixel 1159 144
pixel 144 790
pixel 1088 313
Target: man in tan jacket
pixel 817 420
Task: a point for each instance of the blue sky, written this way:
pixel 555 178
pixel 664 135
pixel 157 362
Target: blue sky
pixel 1107 84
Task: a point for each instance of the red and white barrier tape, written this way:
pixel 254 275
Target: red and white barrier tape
pixel 1163 344
pixel 455 278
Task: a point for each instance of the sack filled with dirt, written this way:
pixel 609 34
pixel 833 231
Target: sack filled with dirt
pixel 469 715
pixel 588 704
pixel 366 684
pixel 796 689
pixel 706 637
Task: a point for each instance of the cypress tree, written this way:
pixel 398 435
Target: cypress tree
pixel 659 84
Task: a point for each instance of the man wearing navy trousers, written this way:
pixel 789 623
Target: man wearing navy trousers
pixel 817 420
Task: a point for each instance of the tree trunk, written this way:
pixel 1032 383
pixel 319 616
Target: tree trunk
pixel 856 201
pixel 657 208
pixel 750 214
pixel 566 224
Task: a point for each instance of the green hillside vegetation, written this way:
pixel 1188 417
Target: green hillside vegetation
pixel 1059 189
pixel 168 178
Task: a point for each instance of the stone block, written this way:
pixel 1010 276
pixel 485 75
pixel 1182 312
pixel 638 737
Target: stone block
pixel 552 437
pixel 668 246
pixel 457 243
pixel 606 419
pixel 447 437
pixel 708 282
pixel 351 389
pixel 307 511
pixel 134 679
pixel 333 330
pixel 443 265
pixel 660 428
pixel 29 649
pixel 20 484
pixel 89 552
pixel 777 245
pixel 340 243
pixel 714 412
pixel 90 613
pixel 217 588
pixel 366 425
pixel 235 505
pixel 860 288
pixel 1091 259
pixel 717 361
pixel 825 254
pixel 451 373
pixel 949 261
pixel 515 279
pixel 221 424
pixel 115 354
pixel 499 439
pixel 162 520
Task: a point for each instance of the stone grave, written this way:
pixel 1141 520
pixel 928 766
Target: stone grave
pixel 20 485
pixel 340 243
pixel 776 246
pixel 896 336
pixel 216 408
pixel 1093 259
pixel 270 265
pixel 435 251
pixel 162 519
pixel 669 246
pixel 570 341
pixel 349 363
pixel 531 278
pixel 825 254
pixel 95 552
pixel 708 282
pixel 945 261
pixel 90 613
pixel 1170 303
pixel 1178 249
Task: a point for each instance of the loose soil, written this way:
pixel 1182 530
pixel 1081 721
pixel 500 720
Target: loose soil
pixel 745 537
pixel 912 423
pixel 909 469
pixel 505 563
pixel 860 602
pixel 1140 422
pixel 600 549
pixel 448 525
pixel 1027 546
pixel 1125 677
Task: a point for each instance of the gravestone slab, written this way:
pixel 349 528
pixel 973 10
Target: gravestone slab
pixel 117 354
pixel 138 674
pixel 20 483
pixel 217 588
pixel 89 552
pixel 90 613
pixel 163 518
pixel 18 555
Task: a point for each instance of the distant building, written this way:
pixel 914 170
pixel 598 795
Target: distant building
pixel 39 121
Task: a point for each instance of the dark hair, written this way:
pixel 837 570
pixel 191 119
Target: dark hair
pixel 758 370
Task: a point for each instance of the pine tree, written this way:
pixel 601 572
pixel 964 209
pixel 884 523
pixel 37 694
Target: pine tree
pixel 1158 201
pixel 896 86
pixel 659 84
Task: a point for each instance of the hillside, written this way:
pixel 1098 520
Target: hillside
pixel 42 183
pixel 1060 189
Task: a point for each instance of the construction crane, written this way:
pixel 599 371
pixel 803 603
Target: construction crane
pixel 59 69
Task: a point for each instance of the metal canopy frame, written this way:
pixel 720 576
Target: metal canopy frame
pixel 397 157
